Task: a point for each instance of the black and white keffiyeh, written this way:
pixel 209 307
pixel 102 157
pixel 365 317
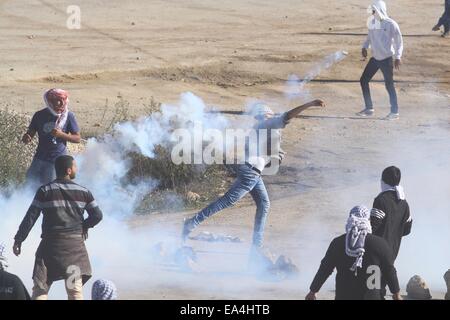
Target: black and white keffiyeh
pixel 3 259
pixel 357 228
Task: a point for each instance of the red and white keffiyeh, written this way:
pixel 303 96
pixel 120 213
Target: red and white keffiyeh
pixel 57 98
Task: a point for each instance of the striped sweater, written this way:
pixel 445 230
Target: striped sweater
pixel 62 203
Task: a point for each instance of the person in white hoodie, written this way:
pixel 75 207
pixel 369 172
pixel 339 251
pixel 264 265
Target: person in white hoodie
pixel 386 43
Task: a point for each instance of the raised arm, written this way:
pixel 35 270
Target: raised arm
pixel 296 111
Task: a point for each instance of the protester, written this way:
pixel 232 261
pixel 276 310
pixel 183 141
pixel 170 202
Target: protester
pixel 390 217
pixel 11 287
pixel 357 255
pixel 386 42
pixel 249 179
pixel 55 125
pixel 62 253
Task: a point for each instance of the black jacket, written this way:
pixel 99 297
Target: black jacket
pixel 354 287
pixel 395 224
pixel 11 287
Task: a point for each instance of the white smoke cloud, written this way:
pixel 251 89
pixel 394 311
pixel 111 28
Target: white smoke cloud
pixel 118 252
pixel 295 87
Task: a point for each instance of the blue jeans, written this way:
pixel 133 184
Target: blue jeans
pixel 40 172
pixel 387 68
pixel 247 181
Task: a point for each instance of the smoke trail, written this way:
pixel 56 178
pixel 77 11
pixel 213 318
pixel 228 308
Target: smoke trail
pixel 295 87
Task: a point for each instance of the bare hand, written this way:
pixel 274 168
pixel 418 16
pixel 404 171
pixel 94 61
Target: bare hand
pixel 397 64
pixel 57 133
pixel 26 138
pixel 435 28
pixel 317 103
pixel 397 296
pixel 311 296
pixel 364 52
pixel 17 248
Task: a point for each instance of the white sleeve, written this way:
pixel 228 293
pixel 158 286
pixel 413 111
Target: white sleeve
pixel 366 43
pixel 398 40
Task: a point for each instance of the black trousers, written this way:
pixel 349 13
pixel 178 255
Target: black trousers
pixel 387 68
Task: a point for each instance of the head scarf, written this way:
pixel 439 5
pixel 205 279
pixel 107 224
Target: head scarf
pixel 259 110
pixel 380 9
pixel 57 94
pixel 104 290
pixel 357 228
pixel 3 260
pixel 390 181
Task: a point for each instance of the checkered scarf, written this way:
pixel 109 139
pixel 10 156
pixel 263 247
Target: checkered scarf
pixel 3 260
pixel 58 94
pixel 104 290
pixel 357 228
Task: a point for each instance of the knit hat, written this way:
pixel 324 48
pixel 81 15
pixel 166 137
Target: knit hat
pixel 104 290
pixel 391 176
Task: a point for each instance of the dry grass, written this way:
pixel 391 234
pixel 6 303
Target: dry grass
pixel 15 157
pixel 180 186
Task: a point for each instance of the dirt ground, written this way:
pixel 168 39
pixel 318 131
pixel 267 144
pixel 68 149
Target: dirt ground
pixel 229 52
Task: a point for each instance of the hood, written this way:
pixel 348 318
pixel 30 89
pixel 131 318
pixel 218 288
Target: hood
pixel 380 9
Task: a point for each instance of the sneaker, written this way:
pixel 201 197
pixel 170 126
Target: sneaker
pixel 365 113
pixel 392 116
pixel 445 35
pixel 187 228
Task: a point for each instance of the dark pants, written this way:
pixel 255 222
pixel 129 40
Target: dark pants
pixel 387 68
pixel 444 21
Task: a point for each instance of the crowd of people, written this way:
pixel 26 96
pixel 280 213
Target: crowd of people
pixel 364 256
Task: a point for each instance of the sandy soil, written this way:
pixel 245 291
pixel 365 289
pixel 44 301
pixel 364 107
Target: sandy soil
pixel 229 52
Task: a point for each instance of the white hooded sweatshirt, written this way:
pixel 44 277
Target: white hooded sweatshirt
pixel 385 39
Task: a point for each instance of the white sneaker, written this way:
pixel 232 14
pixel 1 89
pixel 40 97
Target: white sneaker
pixel 392 116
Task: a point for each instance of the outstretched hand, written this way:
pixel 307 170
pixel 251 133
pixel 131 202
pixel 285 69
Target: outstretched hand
pixel 317 103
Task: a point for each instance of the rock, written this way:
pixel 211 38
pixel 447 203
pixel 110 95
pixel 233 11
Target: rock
pixel 447 282
pixel 186 258
pixel 417 289
pixel 285 265
pixel 12 69
pixel 133 24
